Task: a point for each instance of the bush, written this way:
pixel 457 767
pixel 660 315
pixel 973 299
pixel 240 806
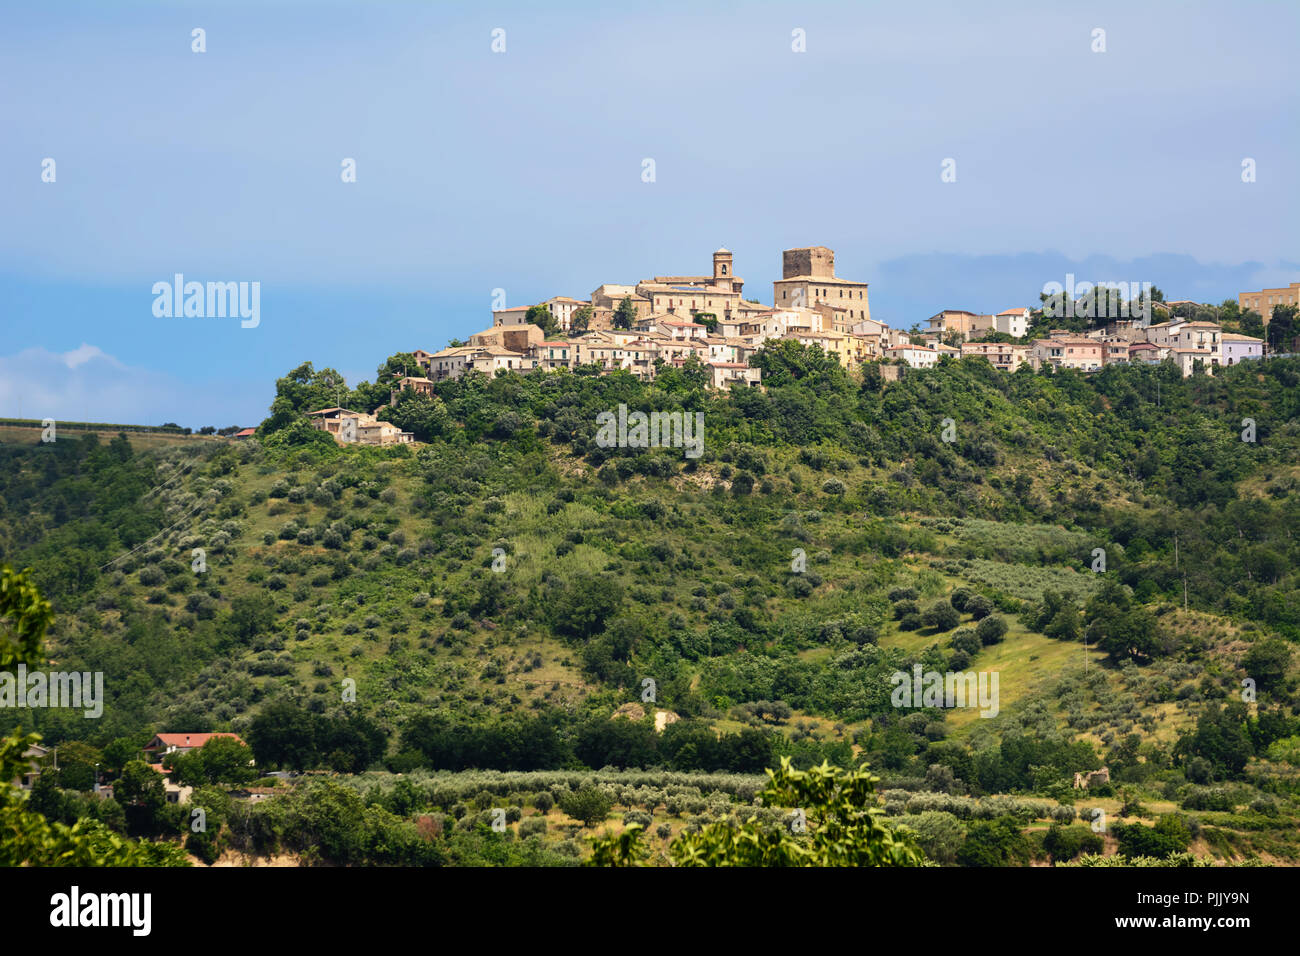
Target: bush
pixel 151 576
pixel 967 640
pixel 991 630
pixel 979 607
pixel 941 616
pixel 1066 843
pixel 533 826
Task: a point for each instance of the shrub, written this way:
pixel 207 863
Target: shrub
pixel 941 616
pixel 533 826
pixel 1066 843
pixel 991 630
pixel 979 607
pixel 968 640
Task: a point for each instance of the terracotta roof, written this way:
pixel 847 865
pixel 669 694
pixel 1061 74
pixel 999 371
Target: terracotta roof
pixel 246 432
pixel 187 740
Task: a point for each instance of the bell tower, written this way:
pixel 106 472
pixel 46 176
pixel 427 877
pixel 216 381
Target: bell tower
pixel 722 271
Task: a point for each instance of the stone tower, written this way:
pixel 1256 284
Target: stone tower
pixel 816 261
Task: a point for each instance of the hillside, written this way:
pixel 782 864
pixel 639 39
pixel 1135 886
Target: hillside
pixel 499 589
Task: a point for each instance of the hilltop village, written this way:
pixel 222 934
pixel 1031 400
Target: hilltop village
pixel 670 320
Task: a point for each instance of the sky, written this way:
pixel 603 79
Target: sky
pixel 522 170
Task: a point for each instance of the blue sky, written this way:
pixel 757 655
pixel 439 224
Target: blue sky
pixel 522 170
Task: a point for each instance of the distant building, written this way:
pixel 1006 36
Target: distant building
pixel 725 374
pixel 1077 353
pixel 1001 355
pixel 808 280
pixel 684 296
pixel 563 307
pixel 163 744
pixel 1264 300
pixel 916 356
pixel 951 320
pixel 349 427
pixel 1012 322
pixel 1146 353
pixel 1235 348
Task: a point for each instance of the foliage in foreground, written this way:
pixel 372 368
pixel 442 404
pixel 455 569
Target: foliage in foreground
pixel 27 838
pixel 834 822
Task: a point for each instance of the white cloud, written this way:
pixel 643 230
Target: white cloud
pixel 84 353
pixel 88 384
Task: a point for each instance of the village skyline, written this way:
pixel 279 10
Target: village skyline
pixel 909 141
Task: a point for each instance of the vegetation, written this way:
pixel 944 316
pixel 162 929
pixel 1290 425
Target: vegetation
pixel 487 601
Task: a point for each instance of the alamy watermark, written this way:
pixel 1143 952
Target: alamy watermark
pixel 951 689
pixel 64 689
pixel 197 300
pixel 1097 300
pixel 653 430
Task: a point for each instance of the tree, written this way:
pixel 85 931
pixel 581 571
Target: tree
pixel 589 804
pixel 995 843
pixel 991 630
pixel 940 835
pixel 142 795
pixel 1282 328
pixel 941 616
pixel 582 607
pixel 1220 738
pixel 304 389
pixel 580 319
pixel 1267 662
pixel 1252 324
pixel 1058 616
pixel 220 760
pixel 117 754
pixel 978 607
pixel 625 314
pixel 284 735
pixel 1124 630
pixel 541 316
pixel 250 616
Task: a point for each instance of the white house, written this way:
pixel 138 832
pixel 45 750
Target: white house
pixel 1234 348
pixel 916 356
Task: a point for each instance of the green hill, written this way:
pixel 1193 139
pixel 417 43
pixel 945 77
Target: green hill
pixel 492 594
